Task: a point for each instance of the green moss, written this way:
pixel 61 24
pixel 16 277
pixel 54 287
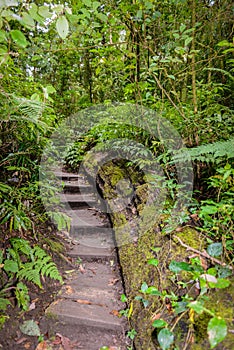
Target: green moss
pixel 133 259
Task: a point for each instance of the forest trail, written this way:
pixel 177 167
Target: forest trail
pixel 86 309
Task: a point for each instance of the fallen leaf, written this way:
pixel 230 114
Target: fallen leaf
pixel 70 271
pixel 21 340
pixel 65 342
pixel 42 346
pixel 113 281
pixel 32 306
pixel 69 290
pixel 82 269
pixel 155 317
pixel 86 302
pixel 57 340
pixel 115 313
pixel 27 345
pixel 194 216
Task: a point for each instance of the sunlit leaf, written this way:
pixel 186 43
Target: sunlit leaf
pixel 19 38
pixel 62 27
pixel 152 291
pixel 196 306
pixel 153 262
pixel 217 331
pixel 159 323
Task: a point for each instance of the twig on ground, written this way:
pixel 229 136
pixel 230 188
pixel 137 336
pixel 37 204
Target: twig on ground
pixel 204 253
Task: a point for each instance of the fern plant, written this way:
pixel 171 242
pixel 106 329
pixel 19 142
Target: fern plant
pixel 211 152
pixel 38 263
pixel 25 263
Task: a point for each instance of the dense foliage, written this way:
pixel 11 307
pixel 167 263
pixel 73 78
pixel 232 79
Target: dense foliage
pixel 173 56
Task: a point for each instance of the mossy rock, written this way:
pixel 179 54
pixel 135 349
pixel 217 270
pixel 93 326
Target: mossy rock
pixel 133 258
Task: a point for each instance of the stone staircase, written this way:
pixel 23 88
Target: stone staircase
pixel 86 309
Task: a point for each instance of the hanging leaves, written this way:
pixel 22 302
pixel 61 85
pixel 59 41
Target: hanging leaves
pixel 62 27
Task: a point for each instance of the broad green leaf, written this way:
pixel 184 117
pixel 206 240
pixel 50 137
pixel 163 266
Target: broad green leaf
pixel 62 27
pixel 87 3
pixel 7 3
pixel 33 12
pixel 58 9
pixel 102 17
pixel 3 303
pixel 222 283
pixel 11 266
pixel 50 89
pixel 2 36
pixel 187 41
pixel 153 291
pixel 217 331
pixel 215 249
pixel 224 43
pixel 212 271
pixel 44 12
pixel 19 38
pixel 171 76
pixel 224 272
pixel 159 323
pixel 123 298
pixel 95 5
pixel 156 14
pixel 176 266
pixel 181 306
pixel 196 306
pixel 153 262
pixel 30 328
pixel 139 14
pixel 27 20
pixel 165 338
pixel 182 27
pixel 144 287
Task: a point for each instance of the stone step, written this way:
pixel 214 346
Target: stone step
pixel 90 253
pixel 76 187
pixel 77 232
pixel 75 313
pixel 84 338
pixel 63 175
pixel 90 298
pixel 103 238
pixel 83 218
pixel 77 200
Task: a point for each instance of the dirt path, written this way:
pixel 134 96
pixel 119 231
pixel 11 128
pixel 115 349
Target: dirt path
pixel 86 309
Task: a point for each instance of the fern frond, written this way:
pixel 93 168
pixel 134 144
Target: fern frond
pixel 50 270
pixel 29 273
pixel 212 152
pixel 22 246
